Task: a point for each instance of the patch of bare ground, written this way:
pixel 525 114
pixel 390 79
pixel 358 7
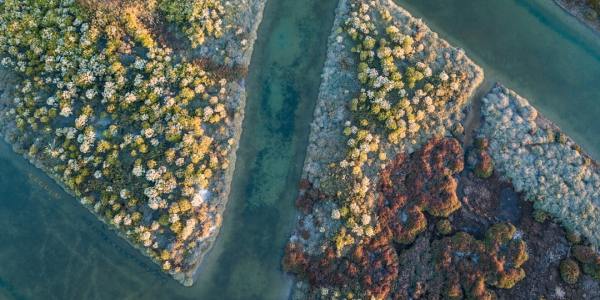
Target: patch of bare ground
pixel 483 204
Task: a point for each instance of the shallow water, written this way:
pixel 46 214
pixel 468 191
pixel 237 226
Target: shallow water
pixel 532 47
pixel 52 248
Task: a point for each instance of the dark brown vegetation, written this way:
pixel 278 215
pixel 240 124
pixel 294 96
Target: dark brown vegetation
pixel 466 255
pixel 485 203
pixel 372 265
pixel 308 196
pixel 589 259
pixel 480 160
pixel 423 183
pixel 408 189
pixel 470 266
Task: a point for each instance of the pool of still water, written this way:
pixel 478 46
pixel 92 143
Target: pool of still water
pixel 52 248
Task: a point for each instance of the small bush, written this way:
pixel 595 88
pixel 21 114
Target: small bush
pixel 481 143
pixel 585 254
pixel 540 216
pixel 444 227
pixel 569 271
pixel 508 279
pixel 592 270
pixel 485 165
pixel 573 237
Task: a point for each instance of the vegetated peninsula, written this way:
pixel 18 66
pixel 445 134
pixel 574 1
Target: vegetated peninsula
pixel 587 11
pixel 135 107
pixel 399 201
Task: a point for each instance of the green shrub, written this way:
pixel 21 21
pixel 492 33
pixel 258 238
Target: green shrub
pixel 485 165
pixel 481 143
pixel 573 237
pixel 507 280
pixel 592 270
pixel 198 19
pixel 444 227
pixel 540 216
pixel 569 271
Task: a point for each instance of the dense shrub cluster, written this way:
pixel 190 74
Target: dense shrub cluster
pixel 308 196
pixel 412 87
pixel 542 162
pixel 467 266
pixel 410 186
pixel 589 259
pixel 409 87
pixel 485 165
pixel 198 19
pixel 480 160
pixel 137 132
pixel 422 183
pixel 370 268
pixel 470 266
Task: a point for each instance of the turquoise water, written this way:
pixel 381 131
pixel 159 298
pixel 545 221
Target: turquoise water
pixel 51 248
pixel 532 47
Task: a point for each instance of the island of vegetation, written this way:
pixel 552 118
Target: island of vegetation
pixel 135 107
pixel 410 191
pixel 587 11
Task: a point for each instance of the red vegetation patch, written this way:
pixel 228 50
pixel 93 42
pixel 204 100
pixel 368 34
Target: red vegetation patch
pixel 425 182
pixel 295 260
pixel 308 196
pixel 469 266
pixel 408 188
pixel 378 267
pixel 372 265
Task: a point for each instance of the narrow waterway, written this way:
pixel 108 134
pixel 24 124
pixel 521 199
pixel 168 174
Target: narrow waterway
pixel 52 248
pixel 532 47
